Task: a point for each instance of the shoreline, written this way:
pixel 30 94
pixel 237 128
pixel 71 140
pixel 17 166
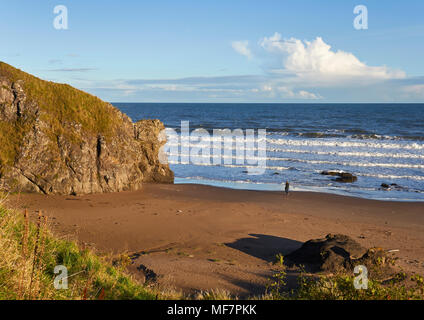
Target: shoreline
pixel 272 187
pixel 197 237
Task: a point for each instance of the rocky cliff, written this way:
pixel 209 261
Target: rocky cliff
pixel 55 139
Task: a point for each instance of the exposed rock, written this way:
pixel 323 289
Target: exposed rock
pixel 346 177
pixel 330 173
pixel 378 262
pixel 69 148
pixel 328 254
pixel 146 275
pixel 340 253
pixel 341 176
pixel 392 186
pixel 385 186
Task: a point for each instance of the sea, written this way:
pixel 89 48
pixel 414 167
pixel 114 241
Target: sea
pixel 381 144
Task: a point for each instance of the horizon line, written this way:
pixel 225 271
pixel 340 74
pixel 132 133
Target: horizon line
pixel 316 103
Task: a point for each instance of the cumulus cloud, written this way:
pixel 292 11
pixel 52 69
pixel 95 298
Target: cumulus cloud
pixel 307 59
pixel 242 47
pixel 293 70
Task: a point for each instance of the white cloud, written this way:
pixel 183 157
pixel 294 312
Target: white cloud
pixel 273 90
pixel 301 94
pixel 293 70
pixel 309 95
pixel 242 47
pixel 309 59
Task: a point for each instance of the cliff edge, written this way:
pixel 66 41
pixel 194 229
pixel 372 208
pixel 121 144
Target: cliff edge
pixel 55 139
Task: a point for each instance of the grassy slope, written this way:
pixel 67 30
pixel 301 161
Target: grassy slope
pixel 60 105
pixel 28 255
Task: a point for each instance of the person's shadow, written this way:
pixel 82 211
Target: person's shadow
pixel 265 247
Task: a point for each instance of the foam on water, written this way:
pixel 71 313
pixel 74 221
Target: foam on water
pixel 377 143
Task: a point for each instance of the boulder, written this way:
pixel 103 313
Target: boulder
pixel 341 176
pixel 385 186
pixel 330 173
pixel 393 186
pixel 346 177
pixel 338 253
pixel 328 254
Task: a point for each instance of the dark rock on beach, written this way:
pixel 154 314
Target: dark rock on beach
pixel 340 253
pixel 328 254
pixel 59 140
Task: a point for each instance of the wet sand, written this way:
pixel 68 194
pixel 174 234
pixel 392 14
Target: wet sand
pixel 197 237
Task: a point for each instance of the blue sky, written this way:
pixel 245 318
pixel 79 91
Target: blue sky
pixel 222 51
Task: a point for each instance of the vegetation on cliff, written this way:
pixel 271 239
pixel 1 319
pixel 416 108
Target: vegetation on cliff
pixel 62 104
pixel 57 139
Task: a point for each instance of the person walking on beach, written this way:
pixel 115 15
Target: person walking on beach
pixel 287 188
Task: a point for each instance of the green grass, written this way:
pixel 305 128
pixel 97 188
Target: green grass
pixel 341 287
pixel 29 254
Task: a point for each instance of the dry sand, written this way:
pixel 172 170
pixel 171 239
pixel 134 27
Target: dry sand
pixel 198 237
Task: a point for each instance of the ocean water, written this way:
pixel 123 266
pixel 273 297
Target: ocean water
pixel 379 143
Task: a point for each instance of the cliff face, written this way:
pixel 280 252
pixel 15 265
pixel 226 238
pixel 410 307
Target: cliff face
pixel 55 139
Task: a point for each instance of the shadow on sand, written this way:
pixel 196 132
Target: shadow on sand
pixel 265 247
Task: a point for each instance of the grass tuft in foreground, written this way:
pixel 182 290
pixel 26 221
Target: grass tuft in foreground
pixel 29 254
pixel 341 287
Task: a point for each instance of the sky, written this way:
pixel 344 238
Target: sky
pixel 222 51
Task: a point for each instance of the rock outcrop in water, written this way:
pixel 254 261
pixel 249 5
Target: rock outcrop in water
pixel 341 176
pixel 392 186
pixel 55 139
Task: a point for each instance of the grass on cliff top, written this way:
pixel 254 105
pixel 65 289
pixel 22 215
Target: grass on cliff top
pixel 29 254
pixel 61 105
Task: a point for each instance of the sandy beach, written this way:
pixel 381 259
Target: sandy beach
pixel 197 237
